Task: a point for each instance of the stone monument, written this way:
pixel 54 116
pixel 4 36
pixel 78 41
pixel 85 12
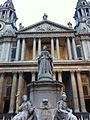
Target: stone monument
pixel 26 110
pixel 45 87
pixel 45 66
pixel 63 112
pixel 45 94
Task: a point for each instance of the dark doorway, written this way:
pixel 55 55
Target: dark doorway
pixel 87 103
pixel 6 106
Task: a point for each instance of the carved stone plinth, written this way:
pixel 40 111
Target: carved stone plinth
pixel 50 90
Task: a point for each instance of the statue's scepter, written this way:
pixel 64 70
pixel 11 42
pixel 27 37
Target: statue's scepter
pixel 17 102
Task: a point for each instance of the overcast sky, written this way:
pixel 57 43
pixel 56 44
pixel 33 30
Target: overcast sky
pixel 31 11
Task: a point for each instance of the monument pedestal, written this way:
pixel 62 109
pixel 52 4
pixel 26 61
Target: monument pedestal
pixel 50 90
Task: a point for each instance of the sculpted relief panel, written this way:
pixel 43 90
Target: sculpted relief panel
pixel 45 28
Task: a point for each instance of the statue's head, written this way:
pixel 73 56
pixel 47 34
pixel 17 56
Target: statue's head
pixel 44 48
pixel 64 97
pixel 24 98
pixel 45 102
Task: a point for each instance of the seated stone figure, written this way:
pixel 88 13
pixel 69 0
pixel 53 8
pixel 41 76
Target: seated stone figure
pixel 63 112
pixel 26 110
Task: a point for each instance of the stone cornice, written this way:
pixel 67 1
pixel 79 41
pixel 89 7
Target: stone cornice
pixel 53 34
pixel 32 66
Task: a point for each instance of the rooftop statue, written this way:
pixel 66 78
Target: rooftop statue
pixel 26 111
pixel 63 112
pixel 45 65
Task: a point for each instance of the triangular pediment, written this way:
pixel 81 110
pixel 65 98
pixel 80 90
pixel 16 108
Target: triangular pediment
pixel 45 26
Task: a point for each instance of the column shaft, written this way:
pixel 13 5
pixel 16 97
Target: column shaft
pixel 84 50
pixel 52 48
pixel 8 51
pixel 88 45
pixel 57 48
pixel 33 76
pixel 74 90
pixel 2 54
pixel 54 76
pixel 60 76
pixel 8 14
pixel 78 14
pixel 17 50
pixel 13 93
pixel 12 16
pixel 69 49
pixel 23 50
pixel 20 84
pixel 81 95
pixel 39 46
pixel 1 90
pixel 74 48
pixel 34 49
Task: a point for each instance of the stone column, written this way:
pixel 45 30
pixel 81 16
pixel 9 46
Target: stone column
pixel 17 50
pixel 74 90
pixel 23 50
pixel 74 48
pixel 8 14
pixel 78 14
pixel 54 76
pixel 3 46
pixel 13 93
pixel 20 84
pixel 34 49
pixel 82 12
pixel 8 52
pixel 52 48
pixel 69 49
pixel 1 90
pixel 88 45
pixel 60 76
pixel 39 46
pixel 0 14
pixel 57 48
pixel 12 16
pixel 84 50
pixel 33 76
pixel 81 95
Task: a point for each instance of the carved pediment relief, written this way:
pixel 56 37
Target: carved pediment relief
pixel 45 27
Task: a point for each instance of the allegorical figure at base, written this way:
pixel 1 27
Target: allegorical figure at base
pixel 63 112
pixel 26 111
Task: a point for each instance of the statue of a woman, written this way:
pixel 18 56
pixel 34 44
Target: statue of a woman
pixel 26 111
pixel 63 112
pixel 44 64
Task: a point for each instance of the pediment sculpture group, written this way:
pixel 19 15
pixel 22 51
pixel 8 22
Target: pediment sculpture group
pixel 45 112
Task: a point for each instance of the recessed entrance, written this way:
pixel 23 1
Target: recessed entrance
pixel 6 106
pixel 87 103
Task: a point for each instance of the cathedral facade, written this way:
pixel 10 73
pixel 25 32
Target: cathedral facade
pixel 69 48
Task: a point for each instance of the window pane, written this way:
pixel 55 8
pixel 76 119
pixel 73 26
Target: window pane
pixel 13 54
pixel 78 51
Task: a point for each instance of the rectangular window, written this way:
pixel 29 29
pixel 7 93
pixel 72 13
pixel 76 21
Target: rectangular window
pixel 13 51
pixel 79 54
